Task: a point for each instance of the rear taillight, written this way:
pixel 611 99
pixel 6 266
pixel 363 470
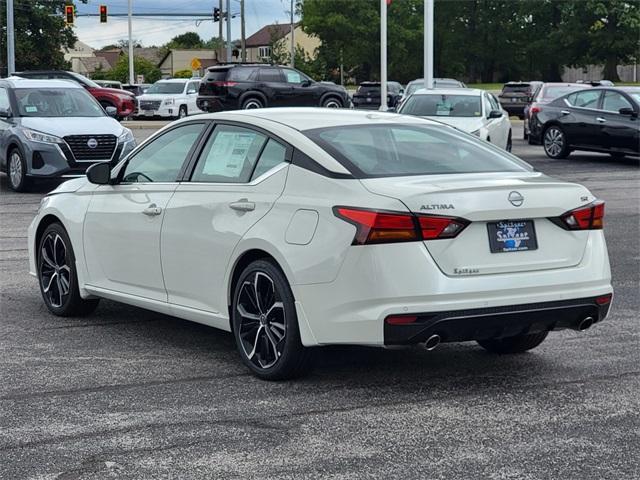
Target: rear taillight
pixel 589 217
pixel 604 299
pixel 223 83
pixel 535 109
pixel 375 226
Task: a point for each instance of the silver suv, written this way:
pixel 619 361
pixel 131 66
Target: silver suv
pixel 54 128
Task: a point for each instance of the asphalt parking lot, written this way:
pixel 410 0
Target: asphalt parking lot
pixel 128 393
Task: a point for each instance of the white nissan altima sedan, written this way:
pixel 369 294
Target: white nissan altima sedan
pixel 295 228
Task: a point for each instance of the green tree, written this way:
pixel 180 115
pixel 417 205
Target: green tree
pixel 40 35
pixel 280 54
pixel 183 74
pixel 604 33
pixel 141 65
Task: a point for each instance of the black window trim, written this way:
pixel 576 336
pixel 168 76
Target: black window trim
pixel 122 166
pixel 189 169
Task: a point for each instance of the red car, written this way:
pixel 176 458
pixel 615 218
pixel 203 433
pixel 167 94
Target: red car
pixel 123 101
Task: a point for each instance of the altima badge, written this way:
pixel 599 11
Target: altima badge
pixel 516 199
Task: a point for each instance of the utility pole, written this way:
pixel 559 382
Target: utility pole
pixel 228 17
pixel 428 43
pixel 221 48
pixel 132 77
pixel 383 55
pixel 11 43
pixel 242 32
pixel 293 42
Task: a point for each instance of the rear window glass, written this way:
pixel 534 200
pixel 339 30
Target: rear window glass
pixel 391 150
pixel 241 74
pixel 269 75
pixel 520 88
pixel 552 92
pixel 216 75
pixel 442 106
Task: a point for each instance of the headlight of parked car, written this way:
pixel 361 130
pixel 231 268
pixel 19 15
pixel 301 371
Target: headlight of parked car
pixel 168 101
pixel 127 136
pixel 36 136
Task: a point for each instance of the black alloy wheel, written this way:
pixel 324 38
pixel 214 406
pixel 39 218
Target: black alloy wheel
pixel 265 324
pixel 57 275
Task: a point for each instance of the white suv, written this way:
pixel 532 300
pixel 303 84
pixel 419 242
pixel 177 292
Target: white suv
pixel 174 98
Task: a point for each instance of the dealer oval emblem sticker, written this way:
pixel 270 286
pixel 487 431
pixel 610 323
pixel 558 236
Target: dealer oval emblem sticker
pixel 92 143
pixel 516 199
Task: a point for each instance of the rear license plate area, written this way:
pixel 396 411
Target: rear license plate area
pixel 512 236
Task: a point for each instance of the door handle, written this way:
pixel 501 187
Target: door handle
pixel 601 120
pixel 152 210
pixel 243 205
pixel 565 112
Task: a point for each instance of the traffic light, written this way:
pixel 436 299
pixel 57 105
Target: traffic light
pixel 69 12
pixel 216 14
pixel 103 14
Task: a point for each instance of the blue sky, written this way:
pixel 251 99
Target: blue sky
pixel 156 31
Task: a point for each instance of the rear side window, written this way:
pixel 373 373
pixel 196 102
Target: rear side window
pixel 229 156
pixel 370 151
pixel 273 155
pixel 4 98
pixel 241 74
pixel 269 75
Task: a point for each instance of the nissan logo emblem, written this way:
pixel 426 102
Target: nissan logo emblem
pixel 516 199
pixel 92 143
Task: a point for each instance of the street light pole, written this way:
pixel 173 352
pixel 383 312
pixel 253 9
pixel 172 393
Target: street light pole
pixel 220 26
pixel 242 32
pixel 383 55
pixel 293 43
pixel 428 43
pixel 11 44
pixel 131 68
pixel 228 17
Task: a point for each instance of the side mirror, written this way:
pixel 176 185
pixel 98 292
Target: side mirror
pixel 495 114
pixel 622 111
pixel 111 111
pixel 5 112
pixel 99 173
pixel 306 83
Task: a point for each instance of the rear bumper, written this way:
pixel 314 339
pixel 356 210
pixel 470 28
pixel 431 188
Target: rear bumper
pixel 213 104
pixel 497 322
pixel 514 108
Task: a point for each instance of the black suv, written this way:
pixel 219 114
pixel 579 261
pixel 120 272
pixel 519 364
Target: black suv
pixel 244 86
pixel 516 95
pixel 368 95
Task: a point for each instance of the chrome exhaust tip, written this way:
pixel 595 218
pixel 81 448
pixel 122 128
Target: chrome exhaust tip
pixel 585 324
pixel 432 342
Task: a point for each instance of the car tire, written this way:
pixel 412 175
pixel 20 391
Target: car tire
pixel 57 277
pixel 332 102
pixel 555 142
pixel 265 324
pixel 17 170
pixel 509 143
pixel 183 112
pixel 516 344
pixel 251 103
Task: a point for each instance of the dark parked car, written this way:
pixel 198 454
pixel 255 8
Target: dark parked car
pixel 123 101
pixel 244 86
pixel 516 95
pixel 368 95
pixel 596 119
pixel 137 88
pixel 546 93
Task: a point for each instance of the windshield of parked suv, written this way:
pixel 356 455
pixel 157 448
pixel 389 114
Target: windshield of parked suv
pixel 59 102
pixel 393 150
pixel 438 105
pixel 551 92
pixel 166 87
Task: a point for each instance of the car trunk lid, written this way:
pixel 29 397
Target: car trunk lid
pixel 485 199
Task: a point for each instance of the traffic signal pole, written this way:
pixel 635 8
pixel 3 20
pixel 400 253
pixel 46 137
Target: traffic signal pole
pixel 428 43
pixel 11 43
pixel 131 72
pixel 228 17
pixel 221 47
pixel 383 55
